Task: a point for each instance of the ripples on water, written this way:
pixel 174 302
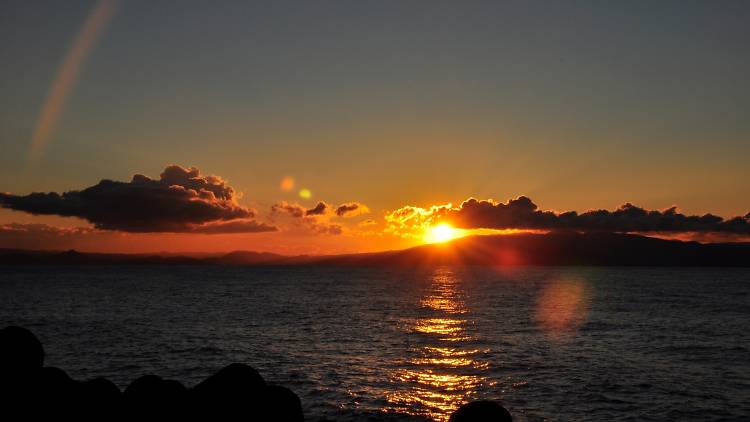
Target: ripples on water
pixel 372 344
pixel 444 369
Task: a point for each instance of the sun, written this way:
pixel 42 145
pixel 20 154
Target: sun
pixel 441 233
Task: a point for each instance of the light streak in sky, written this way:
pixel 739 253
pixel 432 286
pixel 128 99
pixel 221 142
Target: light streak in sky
pixel 66 75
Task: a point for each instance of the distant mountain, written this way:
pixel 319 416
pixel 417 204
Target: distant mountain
pixel 595 249
pixel 72 257
pixel 246 258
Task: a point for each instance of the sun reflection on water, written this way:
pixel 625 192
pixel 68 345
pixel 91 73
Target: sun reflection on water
pixel 445 370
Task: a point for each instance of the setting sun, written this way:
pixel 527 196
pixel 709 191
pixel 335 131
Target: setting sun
pixel 441 233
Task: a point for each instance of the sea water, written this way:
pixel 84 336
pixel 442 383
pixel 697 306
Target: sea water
pixel 567 343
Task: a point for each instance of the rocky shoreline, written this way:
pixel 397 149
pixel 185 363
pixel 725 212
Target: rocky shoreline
pixel 236 392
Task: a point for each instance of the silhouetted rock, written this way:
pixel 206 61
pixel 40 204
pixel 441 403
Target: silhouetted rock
pixel 481 411
pixel 150 394
pixel 20 352
pixel 281 404
pixel 142 390
pixel 54 382
pixel 99 399
pixel 37 392
pixel 54 391
pixel 100 389
pixel 236 388
pixel 21 359
pixel 235 381
pixel 173 390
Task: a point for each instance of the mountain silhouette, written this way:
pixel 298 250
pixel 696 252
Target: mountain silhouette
pixel 564 248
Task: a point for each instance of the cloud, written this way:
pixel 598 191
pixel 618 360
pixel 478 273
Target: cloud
pixel 411 221
pixel 367 223
pixel 523 213
pixel 42 236
pixel 701 237
pixel 313 220
pixel 319 209
pixel 234 226
pixel 351 209
pixel 19 228
pixel 295 210
pixel 334 229
pixel 520 213
pixel 317 219
pixel 181 200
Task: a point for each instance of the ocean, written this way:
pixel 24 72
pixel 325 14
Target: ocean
pixel 549 343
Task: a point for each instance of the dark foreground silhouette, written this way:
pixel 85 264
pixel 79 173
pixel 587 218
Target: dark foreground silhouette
pixel 29 390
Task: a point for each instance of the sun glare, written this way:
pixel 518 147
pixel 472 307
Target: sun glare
pixel 441 233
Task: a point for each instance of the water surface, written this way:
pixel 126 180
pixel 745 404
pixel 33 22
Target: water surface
pixel 385 344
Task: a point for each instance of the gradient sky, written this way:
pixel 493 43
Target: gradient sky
pixel 579 105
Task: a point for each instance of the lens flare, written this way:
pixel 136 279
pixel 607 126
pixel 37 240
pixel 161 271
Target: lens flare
pixel 287 183
pixel 562 308
pixel 305 193
pixel 67 73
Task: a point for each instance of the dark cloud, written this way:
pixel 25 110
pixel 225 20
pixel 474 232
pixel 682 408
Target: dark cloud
pixel 351 208
pixel 43 236
pixel 234 226
pixel 311 220
pixel 522 213
pixel 19 228
pixel 181 200
pixel 319 209
pixel 295 210
pixel 333 229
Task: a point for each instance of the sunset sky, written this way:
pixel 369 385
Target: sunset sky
pixel 370 108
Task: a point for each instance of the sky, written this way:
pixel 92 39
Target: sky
pixel 577 105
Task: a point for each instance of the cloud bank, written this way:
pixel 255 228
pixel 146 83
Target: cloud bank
pixel 351 209
pixel 319 209
pixel 43 236
pixel 181 200
pixel 317 218
pixel 523 213
pixel 312 220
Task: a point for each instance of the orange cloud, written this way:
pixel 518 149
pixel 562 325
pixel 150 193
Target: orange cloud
pixel 411 221
pixel 523 213
pixel 317 219
pixel 351 209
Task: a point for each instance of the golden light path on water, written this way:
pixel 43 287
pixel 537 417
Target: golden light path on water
pixel 444 373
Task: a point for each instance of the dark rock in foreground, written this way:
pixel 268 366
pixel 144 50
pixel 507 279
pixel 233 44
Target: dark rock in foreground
pixel 481 411
pixel 237 392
